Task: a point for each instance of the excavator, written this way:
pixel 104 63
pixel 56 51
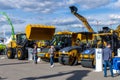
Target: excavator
pixel 87 59
pixel 80 17
pixel 99 41
pixel 71 55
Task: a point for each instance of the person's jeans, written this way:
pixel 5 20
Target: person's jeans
pixel 35 58
pixel 107 63
pixel 51 59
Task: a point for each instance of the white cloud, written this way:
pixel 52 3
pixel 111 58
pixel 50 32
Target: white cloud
pixel 88 4
pixel 2 19
pixel 14 20
pixel 59 7
pixel 17 28
pixel 115 4
pixel 44 6
pixel 64 21
pixel 114 16
pixel 77 25
pixel 5 5
pixel 94 21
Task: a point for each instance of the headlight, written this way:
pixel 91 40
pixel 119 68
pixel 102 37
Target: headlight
pixel 63 52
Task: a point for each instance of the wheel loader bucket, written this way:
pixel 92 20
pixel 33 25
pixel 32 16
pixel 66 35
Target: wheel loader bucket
pixel 39 32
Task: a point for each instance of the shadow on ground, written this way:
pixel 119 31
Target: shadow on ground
pixel 13 63
pixel 76 75
pixel 2 78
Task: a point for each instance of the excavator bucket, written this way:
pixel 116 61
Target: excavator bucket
pixel 73 9
pixel 39 32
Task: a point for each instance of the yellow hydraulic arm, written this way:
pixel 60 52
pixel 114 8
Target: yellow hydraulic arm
pixel 83 19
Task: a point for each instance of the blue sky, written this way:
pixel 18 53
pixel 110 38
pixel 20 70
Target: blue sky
pixel 99 13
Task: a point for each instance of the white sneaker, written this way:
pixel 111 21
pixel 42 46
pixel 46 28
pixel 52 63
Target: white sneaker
pixel 52 66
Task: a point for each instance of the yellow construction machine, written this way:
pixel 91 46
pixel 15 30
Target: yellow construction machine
pixel 72 54
pixel 99 40
pixel 60 40
pixel 23 41
pixel 80 17
pixel 106 35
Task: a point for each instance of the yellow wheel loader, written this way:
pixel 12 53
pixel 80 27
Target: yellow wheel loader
pixel 26 40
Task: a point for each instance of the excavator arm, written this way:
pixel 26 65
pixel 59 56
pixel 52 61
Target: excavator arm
pixel 83 19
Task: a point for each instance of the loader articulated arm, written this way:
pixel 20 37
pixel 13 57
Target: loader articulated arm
pixel 83 19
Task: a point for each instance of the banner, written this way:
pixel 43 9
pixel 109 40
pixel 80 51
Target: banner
pixel 98 58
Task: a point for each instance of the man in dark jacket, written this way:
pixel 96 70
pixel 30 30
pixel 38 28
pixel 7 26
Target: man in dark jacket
pixel 107 56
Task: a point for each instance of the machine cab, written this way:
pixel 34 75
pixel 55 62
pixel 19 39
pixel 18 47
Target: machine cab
pixel 20 38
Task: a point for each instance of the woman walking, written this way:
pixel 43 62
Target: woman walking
pixel 35 53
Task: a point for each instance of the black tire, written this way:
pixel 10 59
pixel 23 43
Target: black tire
pixel 72 60
pixel 87 63
pixel 67 60
pixel 20 54
pixel 60 59
pixel 10 54
pixel 75 62
pixel 2 52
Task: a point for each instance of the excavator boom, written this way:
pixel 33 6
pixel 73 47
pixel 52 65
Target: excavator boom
pixel 83 19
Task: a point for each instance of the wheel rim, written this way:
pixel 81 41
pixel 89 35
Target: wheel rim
pixel 19 54
pixel 71 60
pixel 8 53
pixel 72 57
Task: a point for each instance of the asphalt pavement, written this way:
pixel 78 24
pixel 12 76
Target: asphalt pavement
pixel 13 69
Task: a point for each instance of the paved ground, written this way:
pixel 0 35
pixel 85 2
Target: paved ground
pixel 13 69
